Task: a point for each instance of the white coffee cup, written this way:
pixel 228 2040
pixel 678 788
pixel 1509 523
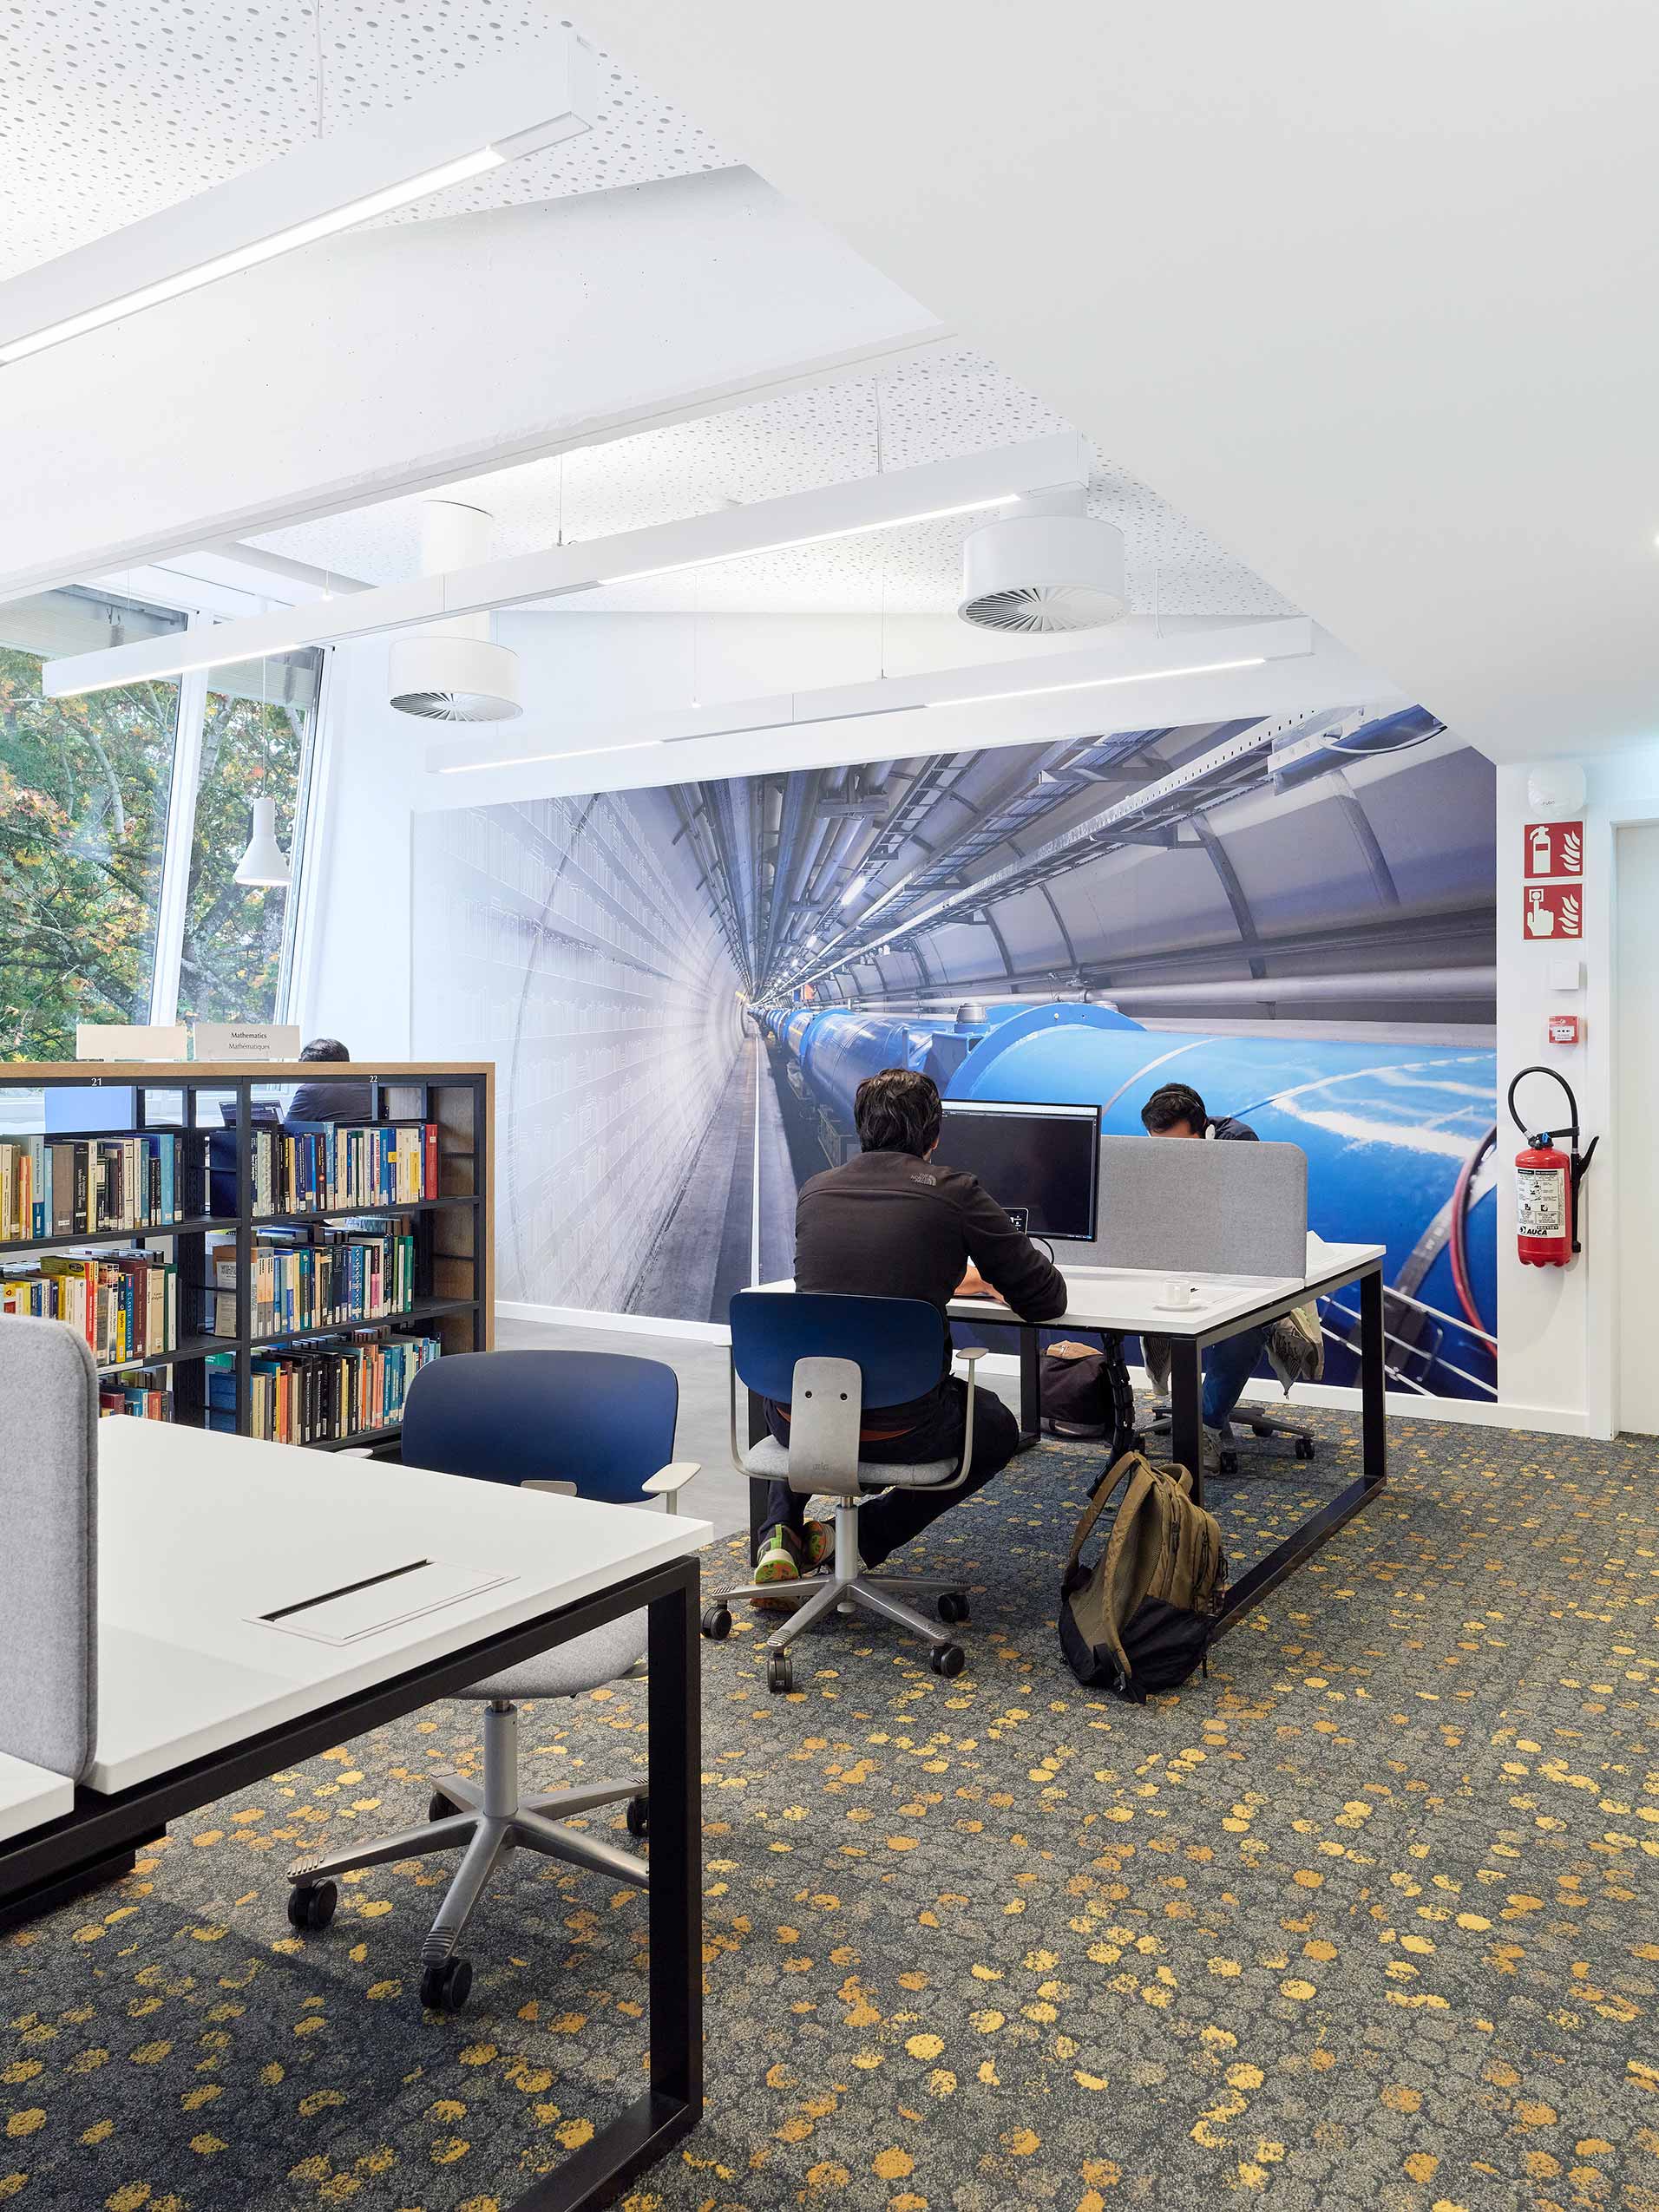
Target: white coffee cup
pixel 1179 1296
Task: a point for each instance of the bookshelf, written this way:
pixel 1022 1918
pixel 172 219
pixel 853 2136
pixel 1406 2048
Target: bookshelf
pixel 223 1244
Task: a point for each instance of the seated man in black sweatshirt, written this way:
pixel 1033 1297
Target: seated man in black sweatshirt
pixel 895 1223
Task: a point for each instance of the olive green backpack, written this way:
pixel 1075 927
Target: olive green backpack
pixel 1140 1620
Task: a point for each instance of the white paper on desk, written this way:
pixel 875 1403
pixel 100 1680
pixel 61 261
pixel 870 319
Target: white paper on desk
pixel 349 1615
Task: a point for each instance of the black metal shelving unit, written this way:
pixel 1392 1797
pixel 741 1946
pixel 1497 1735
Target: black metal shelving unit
pixel 453 1289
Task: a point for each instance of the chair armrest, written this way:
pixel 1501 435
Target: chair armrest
pixel 971 1353
pixel 667 1481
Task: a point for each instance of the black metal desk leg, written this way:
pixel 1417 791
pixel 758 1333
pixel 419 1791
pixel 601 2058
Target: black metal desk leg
pixel 676 1785
pixel 1186 1410
pixel 1031 1386
pixel 1374 1429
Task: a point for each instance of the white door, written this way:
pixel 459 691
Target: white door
pixel 1637 1035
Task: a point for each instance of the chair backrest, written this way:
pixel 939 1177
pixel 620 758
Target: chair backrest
pixel 49 1578
pixel 898 1344
pixel 603 1421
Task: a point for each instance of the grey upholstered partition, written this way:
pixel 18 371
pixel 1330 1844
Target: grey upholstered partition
pixel 49 1523
pixel 1177 1203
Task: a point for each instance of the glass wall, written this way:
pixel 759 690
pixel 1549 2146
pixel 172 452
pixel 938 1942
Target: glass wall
pixel 85 785
pixel 255 743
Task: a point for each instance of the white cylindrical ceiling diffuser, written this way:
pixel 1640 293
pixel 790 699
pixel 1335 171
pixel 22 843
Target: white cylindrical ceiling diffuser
pixel 454 671
pixel 265 862
pixel 1048 565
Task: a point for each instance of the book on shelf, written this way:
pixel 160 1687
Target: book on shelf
pixel 322 1393
pixel 67 1186
pixel 125 1303
pixel 327 1168
pixel 320 1277
pixel 142 1404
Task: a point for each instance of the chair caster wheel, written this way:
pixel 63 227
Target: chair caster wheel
pixel 780 1676
pixel 1304 1447
pixel 716 1623
pixel 310 1906
pixel 446 1988
pixel 951 1607
pixel 640 1816
pixel 948 1659
pixel 438 1807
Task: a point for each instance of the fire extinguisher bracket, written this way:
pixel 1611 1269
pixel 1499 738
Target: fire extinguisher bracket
pixel 1542 1140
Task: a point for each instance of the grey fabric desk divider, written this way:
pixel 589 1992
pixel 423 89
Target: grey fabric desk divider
pixel 1183 1203
pixel 49 1578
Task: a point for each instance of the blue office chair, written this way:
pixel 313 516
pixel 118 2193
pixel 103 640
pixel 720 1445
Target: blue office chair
pixel 832 1361
pixel 597 1426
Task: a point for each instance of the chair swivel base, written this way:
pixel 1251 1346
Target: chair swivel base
pixel 486 1822
pixel 1264 1424
pixel 845 1586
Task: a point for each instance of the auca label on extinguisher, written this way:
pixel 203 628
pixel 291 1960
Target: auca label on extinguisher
pixel 1540 1202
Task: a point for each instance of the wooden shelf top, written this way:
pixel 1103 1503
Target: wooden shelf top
pixel 167 1075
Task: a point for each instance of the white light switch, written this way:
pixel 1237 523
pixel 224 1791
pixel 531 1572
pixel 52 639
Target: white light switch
pixel 1566 975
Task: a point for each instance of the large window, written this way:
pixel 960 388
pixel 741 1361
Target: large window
pixel 85 789
pixel 255 736
pixel 124 815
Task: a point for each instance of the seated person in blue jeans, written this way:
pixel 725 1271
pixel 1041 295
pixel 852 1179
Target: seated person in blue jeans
pixel 895 1223
pixel 1177 1110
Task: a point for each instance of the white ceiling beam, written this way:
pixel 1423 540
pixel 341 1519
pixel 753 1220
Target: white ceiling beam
pixel 973 481
pixel 169 431
pixel 475 121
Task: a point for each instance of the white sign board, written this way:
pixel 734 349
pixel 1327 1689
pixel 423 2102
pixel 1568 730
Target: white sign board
pixel 246 1041
pixel 129 1041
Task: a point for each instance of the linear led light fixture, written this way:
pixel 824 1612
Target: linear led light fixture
pixel 1103 683
pixel 819 538
pixel 576 752
pixel 474 122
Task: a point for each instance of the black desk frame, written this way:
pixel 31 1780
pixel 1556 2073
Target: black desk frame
pixel 44 1865
pixel 1186 1422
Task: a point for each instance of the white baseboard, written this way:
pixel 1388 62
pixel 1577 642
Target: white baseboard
pixel 631 1324
pixel 1474 1413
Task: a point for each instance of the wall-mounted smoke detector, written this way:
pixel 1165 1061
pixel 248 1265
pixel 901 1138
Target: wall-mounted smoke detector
pixel 1045 566
pixel 454 671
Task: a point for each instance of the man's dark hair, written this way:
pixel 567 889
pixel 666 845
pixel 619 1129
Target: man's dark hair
pixel 897 1111
pixel 323 1048
pixel 1176 1101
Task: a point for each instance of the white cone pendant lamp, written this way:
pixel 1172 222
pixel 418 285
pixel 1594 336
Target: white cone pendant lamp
pixel 265 863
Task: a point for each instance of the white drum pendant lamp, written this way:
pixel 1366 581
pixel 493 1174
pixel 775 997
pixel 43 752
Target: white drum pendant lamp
pixel 454 671
pixel 1046 566
pixel 265 863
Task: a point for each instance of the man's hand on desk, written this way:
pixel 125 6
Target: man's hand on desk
pixel 973 1285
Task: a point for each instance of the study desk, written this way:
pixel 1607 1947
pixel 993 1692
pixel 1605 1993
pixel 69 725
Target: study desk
pixel 1125 1301
pixel 203 1538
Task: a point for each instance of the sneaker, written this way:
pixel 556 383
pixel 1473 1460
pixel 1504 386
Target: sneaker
pixel 783 1554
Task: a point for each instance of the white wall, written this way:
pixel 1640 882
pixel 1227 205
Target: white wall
pixel 1636 986
pixel 1558 1329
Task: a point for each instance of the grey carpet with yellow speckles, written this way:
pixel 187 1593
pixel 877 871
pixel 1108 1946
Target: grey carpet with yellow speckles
pixel 1369 1920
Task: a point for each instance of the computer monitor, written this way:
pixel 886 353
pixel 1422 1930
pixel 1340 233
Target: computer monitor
pixel 1041 1163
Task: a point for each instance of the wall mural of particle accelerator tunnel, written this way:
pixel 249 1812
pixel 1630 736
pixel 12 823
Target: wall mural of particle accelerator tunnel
pixel 1295 917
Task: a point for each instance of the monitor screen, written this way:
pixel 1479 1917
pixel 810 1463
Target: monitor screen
pixel 1041 1163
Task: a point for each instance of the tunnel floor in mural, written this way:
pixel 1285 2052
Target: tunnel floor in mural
pixel 717 1240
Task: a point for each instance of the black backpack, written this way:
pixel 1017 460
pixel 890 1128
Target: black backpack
pixel 1087 1394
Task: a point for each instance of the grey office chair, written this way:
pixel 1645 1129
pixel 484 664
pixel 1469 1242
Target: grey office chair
pixel 835 1359
pixel 1304 1444
pixel 606 1421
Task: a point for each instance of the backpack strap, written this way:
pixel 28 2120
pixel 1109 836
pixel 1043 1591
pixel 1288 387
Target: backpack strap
pixel 1116 1478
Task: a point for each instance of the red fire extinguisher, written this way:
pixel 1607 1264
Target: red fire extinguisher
pixel 1546 1185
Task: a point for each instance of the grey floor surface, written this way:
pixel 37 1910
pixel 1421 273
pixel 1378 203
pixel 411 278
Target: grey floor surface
pixel 719 1494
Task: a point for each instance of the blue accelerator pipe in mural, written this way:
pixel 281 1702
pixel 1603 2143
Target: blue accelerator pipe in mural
pixel 1391 1132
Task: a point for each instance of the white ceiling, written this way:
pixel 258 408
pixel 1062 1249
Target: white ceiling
pixel 1369 293
pixel 113 110
pixel 932 409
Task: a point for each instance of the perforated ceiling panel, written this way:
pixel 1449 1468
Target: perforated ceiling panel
pixel 929 409
pixel 112 109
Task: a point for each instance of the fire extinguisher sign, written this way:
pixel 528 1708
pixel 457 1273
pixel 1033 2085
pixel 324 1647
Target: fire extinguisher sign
pixel 1552 848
